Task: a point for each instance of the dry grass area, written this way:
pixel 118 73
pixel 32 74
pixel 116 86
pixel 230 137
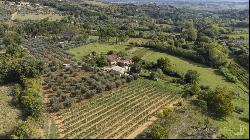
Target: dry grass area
pixel 9 115
pixel 22 17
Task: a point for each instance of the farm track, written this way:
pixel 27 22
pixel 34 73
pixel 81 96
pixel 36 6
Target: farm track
pixel 116 114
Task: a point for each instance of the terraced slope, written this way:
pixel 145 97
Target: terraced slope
pixel 116 114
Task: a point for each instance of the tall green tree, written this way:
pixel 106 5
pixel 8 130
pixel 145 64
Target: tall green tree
pixel 164 63
pixel 212 30
pixel 12 42
pixel 159 132
pixel 219 102
pixel 190 34
pixel 191 76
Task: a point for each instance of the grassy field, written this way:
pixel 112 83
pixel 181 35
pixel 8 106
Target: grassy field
pixel 239 30
pixel 99 48
pixel 9 115
pixel 245 36
pixel 96 3
pixel 105 47
pixel 137 40
pixel 21 17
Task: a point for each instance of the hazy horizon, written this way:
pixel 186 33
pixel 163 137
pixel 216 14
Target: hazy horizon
pixel 135 1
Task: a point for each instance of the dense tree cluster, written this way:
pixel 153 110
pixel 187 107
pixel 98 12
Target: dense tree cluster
pixel 16 63
pixel 26 129
pixel 218 101
pixel 94 59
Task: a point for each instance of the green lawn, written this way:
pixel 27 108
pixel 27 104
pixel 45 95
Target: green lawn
pixel 99 48
pixel 105 47
pixel 96 3
pixel 246 36
pixel 21 17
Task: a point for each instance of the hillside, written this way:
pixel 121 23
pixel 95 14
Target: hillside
pixel 88 69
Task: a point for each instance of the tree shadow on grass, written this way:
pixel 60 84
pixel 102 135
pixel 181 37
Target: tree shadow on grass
pixel 217 72
pixel 4 136
pixel 244 119
pixel 203 109
pixel 182 58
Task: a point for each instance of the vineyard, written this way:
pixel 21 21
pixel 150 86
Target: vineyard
pixel 240 73
pixel 115 114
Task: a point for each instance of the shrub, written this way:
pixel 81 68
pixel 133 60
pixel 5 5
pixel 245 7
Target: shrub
pixel 179 103
pixel 130 78
pixel 54 88
pixel 164 63
pixel 166 112
pixel 53 100
pixel 219 102
pixel 56 106
pixel 230 77
pixel 152 76
pixel 136 76
pixel 135 68
pixel 89 94
pixel 118 83
pixel 83 89
pixel 200 103
pixel 17 89
pixel 32 98
pixel 159 132
pixel 99 87
pixel 108 86
pixel 204 87
pixel 191 76
pixel 65 77
pixel 26 130
pixel 136 59
pixel 68 101
pixel 238 110
pixel 191 90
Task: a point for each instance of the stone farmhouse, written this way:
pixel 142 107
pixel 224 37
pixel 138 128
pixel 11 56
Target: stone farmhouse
pixel 118 64
pixel 113 59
